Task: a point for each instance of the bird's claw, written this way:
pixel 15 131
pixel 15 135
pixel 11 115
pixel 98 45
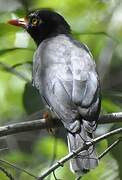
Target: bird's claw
pixel 47 117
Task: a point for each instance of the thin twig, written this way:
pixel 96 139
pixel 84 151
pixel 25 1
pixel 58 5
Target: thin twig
pixel 63 160
pixel 54 151
pixel 6 173
pixel 109 148
pixel 53 156
pixel 12 70
pixel 55 176
pixel 44 124
pixel 3 149
pixel 103 33
pixel 17 167
pixel 21 64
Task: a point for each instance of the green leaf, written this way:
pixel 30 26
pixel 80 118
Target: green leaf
pixel 110 106
pixel 46 147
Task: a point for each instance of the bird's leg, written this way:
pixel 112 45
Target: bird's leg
pixel 48 117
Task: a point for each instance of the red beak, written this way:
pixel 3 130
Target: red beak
pixel 19 22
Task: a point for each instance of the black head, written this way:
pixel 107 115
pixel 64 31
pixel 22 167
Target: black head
pixel 42 24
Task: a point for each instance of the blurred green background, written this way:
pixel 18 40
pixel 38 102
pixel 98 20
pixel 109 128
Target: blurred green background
pixel 97 23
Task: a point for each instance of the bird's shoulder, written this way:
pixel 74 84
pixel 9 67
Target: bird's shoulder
pixel 67 55
pixel 61 43
pixel 64 48
pixel 66 41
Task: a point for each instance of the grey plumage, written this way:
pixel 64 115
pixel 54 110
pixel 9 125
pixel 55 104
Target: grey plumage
pixel 65 74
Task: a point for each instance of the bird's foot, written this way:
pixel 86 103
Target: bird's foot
pixel 47 116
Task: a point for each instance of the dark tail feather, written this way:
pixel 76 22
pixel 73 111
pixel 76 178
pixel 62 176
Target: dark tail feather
pixel 87 159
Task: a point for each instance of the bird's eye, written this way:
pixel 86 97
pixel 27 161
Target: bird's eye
pixel 34 21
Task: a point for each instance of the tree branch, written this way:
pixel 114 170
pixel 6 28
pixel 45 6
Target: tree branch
pixel 17 167
pixel 110 147
pixel 52 123
pixel 110 118
pixel 63 160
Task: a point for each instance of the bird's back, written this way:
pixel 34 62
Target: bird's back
pixel 64 56
pixel 62 72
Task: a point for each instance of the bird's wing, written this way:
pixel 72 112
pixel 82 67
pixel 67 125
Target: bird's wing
pixel 65 75
pixel 85 92
pixel 36 69
pixel 85 85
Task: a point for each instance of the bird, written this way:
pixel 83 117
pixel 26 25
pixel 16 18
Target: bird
pixel 65 74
